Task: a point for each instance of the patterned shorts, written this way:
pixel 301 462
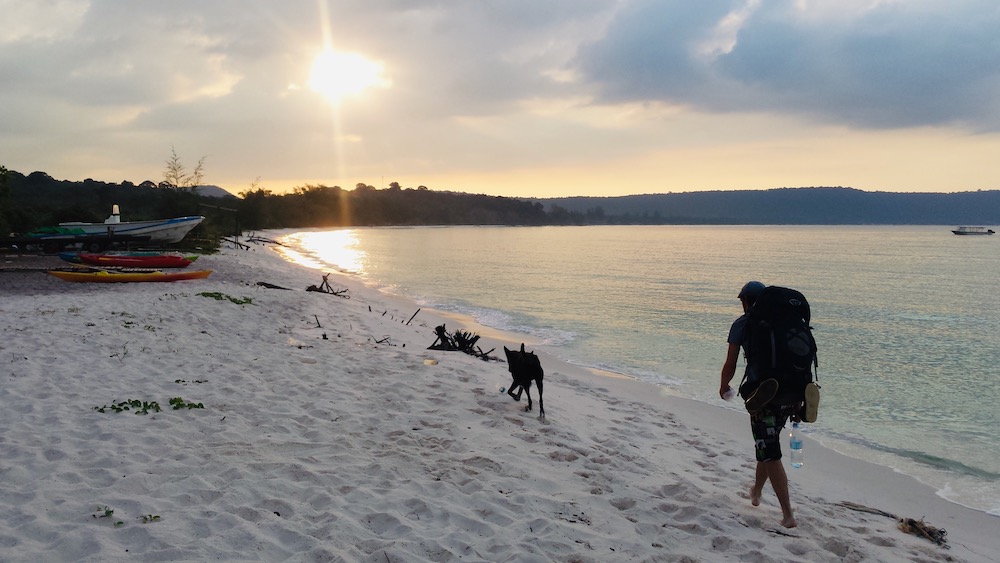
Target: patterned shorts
pixel 766 427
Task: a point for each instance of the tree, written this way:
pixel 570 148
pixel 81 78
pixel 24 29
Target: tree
pixel 257 206
pixel 176 176
pixel 4 202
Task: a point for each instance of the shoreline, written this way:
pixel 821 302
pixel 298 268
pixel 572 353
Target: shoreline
pixel 319 442
pixel 938 479
pixel 735 426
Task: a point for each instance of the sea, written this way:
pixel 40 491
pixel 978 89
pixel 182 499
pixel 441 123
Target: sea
pixel 907 318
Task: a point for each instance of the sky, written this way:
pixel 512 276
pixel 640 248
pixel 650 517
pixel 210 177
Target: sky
pixel 519 98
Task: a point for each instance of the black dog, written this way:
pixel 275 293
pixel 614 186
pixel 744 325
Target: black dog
pixel 525 368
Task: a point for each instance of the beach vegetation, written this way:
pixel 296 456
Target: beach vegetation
pixel 179 403
pixel 107 512
pixel 137 406
pixel 219 296
pixel 148 518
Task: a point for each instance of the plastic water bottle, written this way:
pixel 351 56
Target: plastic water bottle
pixel 795 446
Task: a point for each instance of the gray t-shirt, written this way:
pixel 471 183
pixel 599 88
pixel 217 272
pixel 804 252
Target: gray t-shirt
pixel 736 331
pixel 736 337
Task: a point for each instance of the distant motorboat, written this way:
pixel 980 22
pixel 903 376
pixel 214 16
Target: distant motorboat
pixel 158 230
pixel 973 231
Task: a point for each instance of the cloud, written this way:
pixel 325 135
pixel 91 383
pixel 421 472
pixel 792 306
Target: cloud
pixel 868 64
pixel 484 89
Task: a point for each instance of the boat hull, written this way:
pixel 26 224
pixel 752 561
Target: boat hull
pixel 159 230
pixel 973 231
pixel 110 276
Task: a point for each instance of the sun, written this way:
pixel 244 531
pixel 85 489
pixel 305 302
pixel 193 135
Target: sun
pixel 336 74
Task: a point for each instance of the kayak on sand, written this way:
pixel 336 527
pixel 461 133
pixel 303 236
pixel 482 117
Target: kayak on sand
pixel 129 260
pixel 94 275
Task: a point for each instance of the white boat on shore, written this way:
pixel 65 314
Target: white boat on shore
pixel 158 230
pixel 973 231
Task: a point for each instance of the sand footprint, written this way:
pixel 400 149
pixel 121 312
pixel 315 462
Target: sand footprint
pixel 721 543
pixel 623 503
pixel 563 456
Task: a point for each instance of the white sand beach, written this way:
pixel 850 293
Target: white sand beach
pixel 326 435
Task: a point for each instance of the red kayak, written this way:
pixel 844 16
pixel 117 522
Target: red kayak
pixel 136 260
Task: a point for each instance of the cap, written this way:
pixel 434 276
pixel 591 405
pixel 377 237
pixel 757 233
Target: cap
pixel 751 290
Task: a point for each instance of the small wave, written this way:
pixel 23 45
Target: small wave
pixel 504 321
pixel 958 482
pixel 941 463
pixel 925 318
pixel 923 458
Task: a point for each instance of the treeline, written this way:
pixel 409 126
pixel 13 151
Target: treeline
pixel 323 206
pixel 35 200
pixel 38 200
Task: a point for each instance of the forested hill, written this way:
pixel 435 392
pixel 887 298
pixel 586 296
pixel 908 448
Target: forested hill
pixel 806 206
pixel 38 200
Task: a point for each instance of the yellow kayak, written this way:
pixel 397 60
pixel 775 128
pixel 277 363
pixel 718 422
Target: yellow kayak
pixel 112 276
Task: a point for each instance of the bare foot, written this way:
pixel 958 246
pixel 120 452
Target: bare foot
pixel 788 522
pixel 754 497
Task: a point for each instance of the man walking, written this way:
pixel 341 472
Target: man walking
pixel 766 419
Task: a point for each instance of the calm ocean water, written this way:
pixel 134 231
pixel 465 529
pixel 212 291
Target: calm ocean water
pixel 907 318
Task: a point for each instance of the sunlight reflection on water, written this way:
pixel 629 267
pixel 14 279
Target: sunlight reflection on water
pixel 322 249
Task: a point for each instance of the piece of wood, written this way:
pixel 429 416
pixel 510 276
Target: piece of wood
pixel 411 318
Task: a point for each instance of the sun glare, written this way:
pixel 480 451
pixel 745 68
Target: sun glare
pixel 325 249
pixel 337 74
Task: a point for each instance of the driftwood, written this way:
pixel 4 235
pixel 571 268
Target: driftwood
pixel 271 286
pixel 236 243
pixel 906 525
pixel 324 287
pixel 256 239
pixel 461 341
pixel 413 317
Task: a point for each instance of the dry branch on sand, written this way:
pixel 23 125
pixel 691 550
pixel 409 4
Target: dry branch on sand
pixel 324 287
pixel 461 341
pixel 907 525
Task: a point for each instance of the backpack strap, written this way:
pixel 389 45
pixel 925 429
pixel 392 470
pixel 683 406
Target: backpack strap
pixel 816 365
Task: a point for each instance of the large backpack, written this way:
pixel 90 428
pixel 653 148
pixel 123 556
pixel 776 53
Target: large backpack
pixel 779 344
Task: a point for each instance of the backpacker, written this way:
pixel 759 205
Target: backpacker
pixel 779 344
